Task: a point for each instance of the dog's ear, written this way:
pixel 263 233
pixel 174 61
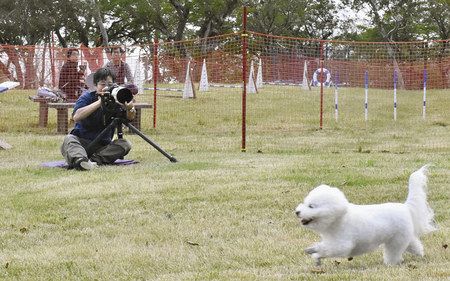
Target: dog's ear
pixel 341 209
pixel 340 203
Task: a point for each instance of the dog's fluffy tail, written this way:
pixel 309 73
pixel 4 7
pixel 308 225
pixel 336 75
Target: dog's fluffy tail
pixel 421 213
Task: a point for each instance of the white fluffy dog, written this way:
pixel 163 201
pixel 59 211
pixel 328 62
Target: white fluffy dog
pixel 348 230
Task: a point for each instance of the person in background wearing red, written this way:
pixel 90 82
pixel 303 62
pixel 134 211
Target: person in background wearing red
pixel 71 79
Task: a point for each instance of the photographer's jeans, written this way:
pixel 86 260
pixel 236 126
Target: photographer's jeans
pixel 74 148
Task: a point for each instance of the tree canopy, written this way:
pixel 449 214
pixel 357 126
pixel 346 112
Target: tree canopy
pixel 105 22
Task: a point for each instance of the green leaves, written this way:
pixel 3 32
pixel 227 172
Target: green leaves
pixel 402 20
pixel 102 22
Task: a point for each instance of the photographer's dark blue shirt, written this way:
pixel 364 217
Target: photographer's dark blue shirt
pixel 90 127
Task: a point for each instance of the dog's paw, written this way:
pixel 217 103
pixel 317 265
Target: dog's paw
pixel 317 259
pixel 311 250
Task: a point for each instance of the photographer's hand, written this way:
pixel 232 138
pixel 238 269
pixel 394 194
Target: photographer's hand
pixel 103 91
pixel 131 111
pixel 85 111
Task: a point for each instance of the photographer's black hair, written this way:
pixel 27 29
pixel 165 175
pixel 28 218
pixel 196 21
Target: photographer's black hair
pixel 70 51
pixel 102 74
pixel 121 50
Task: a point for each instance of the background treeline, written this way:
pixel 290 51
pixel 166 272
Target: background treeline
pixel 105 22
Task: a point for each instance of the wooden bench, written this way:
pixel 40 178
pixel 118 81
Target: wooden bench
pixel 62 113
pixel 43 109
pixel 62 109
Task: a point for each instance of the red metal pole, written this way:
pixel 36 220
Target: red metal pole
pixel 321 85
pixel 244 75
pixel 155 76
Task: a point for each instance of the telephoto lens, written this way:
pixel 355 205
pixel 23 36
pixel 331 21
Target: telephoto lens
pixel 121 94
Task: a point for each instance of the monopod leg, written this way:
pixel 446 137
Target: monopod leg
pixel 155 145
pixel 100 136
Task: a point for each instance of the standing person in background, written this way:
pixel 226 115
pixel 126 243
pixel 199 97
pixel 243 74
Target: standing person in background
pixel 71 79
pixel 119 67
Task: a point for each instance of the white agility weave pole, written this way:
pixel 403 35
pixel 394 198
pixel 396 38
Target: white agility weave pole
pixel 366 93
pixel 395 95
pixel 225 86
pixel 424 106
pixel 336 85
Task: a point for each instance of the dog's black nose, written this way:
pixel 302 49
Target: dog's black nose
pixel 297 213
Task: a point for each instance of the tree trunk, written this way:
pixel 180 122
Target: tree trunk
pixel 205 40
pixel 42 78
pixel 388 37
pixel 30 68
pixel 101 26
pixel 5 75
pixel 14 58
pixel 93 56
pixel 183 15
pixel 61 39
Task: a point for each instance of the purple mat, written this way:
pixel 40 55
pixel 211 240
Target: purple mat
pixel 63 164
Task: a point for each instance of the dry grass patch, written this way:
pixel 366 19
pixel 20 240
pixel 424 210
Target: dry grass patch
pixel 218 214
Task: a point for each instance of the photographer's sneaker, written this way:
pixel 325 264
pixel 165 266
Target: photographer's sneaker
pixel 88 165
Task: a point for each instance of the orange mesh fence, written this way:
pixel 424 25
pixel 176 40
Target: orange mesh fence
pixel 221 54
pixel 201 79
pixel 284 59
pixel 205 75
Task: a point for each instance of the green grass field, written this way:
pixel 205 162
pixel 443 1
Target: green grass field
pixel 219 214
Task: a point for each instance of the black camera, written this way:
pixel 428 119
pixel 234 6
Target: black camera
pixel 114 99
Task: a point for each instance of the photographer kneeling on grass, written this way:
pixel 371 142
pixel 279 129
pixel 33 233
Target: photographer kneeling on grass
pixel 91 119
